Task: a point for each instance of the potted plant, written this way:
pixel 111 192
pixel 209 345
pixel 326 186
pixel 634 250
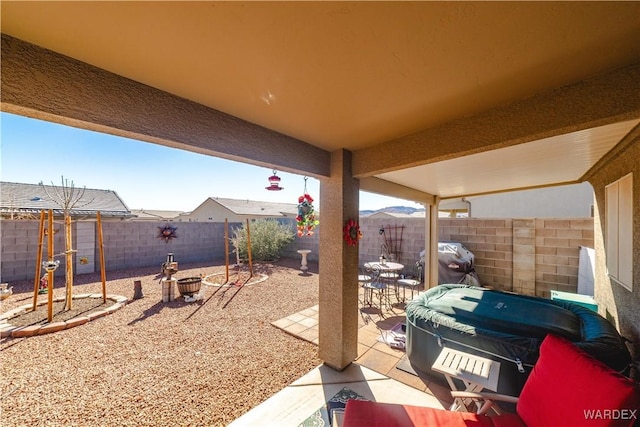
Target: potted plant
pixel 306 219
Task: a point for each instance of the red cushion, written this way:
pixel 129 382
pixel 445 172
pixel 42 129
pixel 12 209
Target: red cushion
pixel 507 419
pixel 360 413
pixel 568 387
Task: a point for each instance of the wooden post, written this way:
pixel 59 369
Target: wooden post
pixel 36 281
pixel 103 274
pixel 69 261
pixel 137 289
pixel 50 272
pixel 249 249
pixel 226 250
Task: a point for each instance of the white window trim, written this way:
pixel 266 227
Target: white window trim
pixel 619 244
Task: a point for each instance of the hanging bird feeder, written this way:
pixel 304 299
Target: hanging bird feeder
pixel 274 182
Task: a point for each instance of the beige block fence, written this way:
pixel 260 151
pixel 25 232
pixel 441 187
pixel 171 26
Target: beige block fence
pixel 524 255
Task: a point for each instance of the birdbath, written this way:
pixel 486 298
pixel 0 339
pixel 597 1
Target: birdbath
pixel 304 253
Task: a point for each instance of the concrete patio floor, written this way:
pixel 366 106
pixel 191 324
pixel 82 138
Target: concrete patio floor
pixel 297 402
pixel 374 374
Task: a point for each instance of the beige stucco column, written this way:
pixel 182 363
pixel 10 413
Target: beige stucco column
pixel 338 265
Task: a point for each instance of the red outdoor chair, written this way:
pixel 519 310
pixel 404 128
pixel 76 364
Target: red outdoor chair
pixel 567 387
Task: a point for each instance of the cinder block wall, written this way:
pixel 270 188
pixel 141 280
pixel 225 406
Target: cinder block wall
pixel 411 245
pixel 304 242
pixel 530 256
pixel 135 244
pixel 19 248
pixel 490 240
pixel 126 245
pixel 370 245
pixel 558 243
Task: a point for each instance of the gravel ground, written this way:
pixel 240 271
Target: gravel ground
pixel 159 364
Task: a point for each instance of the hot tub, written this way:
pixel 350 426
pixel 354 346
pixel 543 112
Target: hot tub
pixel 505 327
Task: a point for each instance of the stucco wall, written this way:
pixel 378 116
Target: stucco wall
pixel 615 302
pixel 210 211
pixel 566 201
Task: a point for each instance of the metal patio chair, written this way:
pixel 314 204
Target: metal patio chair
pixel 413 282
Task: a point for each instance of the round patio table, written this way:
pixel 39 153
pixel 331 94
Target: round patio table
pixel 388 273
pixel 387 266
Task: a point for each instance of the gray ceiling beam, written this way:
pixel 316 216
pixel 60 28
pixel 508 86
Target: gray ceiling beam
pixel 42 84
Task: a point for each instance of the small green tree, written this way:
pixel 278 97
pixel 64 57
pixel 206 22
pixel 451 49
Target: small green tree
pixel 268 239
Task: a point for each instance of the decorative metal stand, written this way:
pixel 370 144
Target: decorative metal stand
pixel 168 269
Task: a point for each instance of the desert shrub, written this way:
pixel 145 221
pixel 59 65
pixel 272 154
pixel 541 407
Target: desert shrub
pixel 268 239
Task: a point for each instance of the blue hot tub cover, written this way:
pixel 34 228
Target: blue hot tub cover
pixel 505 327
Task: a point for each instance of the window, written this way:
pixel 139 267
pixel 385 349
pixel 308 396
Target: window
pixel 619 205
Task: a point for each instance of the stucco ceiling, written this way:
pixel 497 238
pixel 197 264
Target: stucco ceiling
pixel 355 75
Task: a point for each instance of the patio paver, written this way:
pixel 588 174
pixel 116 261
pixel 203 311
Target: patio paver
pixel 376 363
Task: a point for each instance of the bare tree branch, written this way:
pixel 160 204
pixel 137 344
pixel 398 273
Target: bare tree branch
pixel 66 195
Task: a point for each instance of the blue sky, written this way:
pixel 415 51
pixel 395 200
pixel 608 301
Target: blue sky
pixel 143 174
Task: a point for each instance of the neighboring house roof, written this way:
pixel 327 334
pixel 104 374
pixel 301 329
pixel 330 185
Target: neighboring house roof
pixel 155 215
pixel 32 198
pixel 257 208
pixel 399 215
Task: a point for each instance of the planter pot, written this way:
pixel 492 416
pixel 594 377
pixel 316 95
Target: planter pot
pixel 305 210
pixel 189 285
pixel 5 291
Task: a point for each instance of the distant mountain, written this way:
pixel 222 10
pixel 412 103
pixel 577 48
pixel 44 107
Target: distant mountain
pixel 393 209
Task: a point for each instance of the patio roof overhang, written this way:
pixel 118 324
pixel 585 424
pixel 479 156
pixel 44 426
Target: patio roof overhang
pixel 433 99
pixel 419 100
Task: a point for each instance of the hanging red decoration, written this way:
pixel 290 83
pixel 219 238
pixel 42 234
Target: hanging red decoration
pixel 352 233
pixel 306 219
